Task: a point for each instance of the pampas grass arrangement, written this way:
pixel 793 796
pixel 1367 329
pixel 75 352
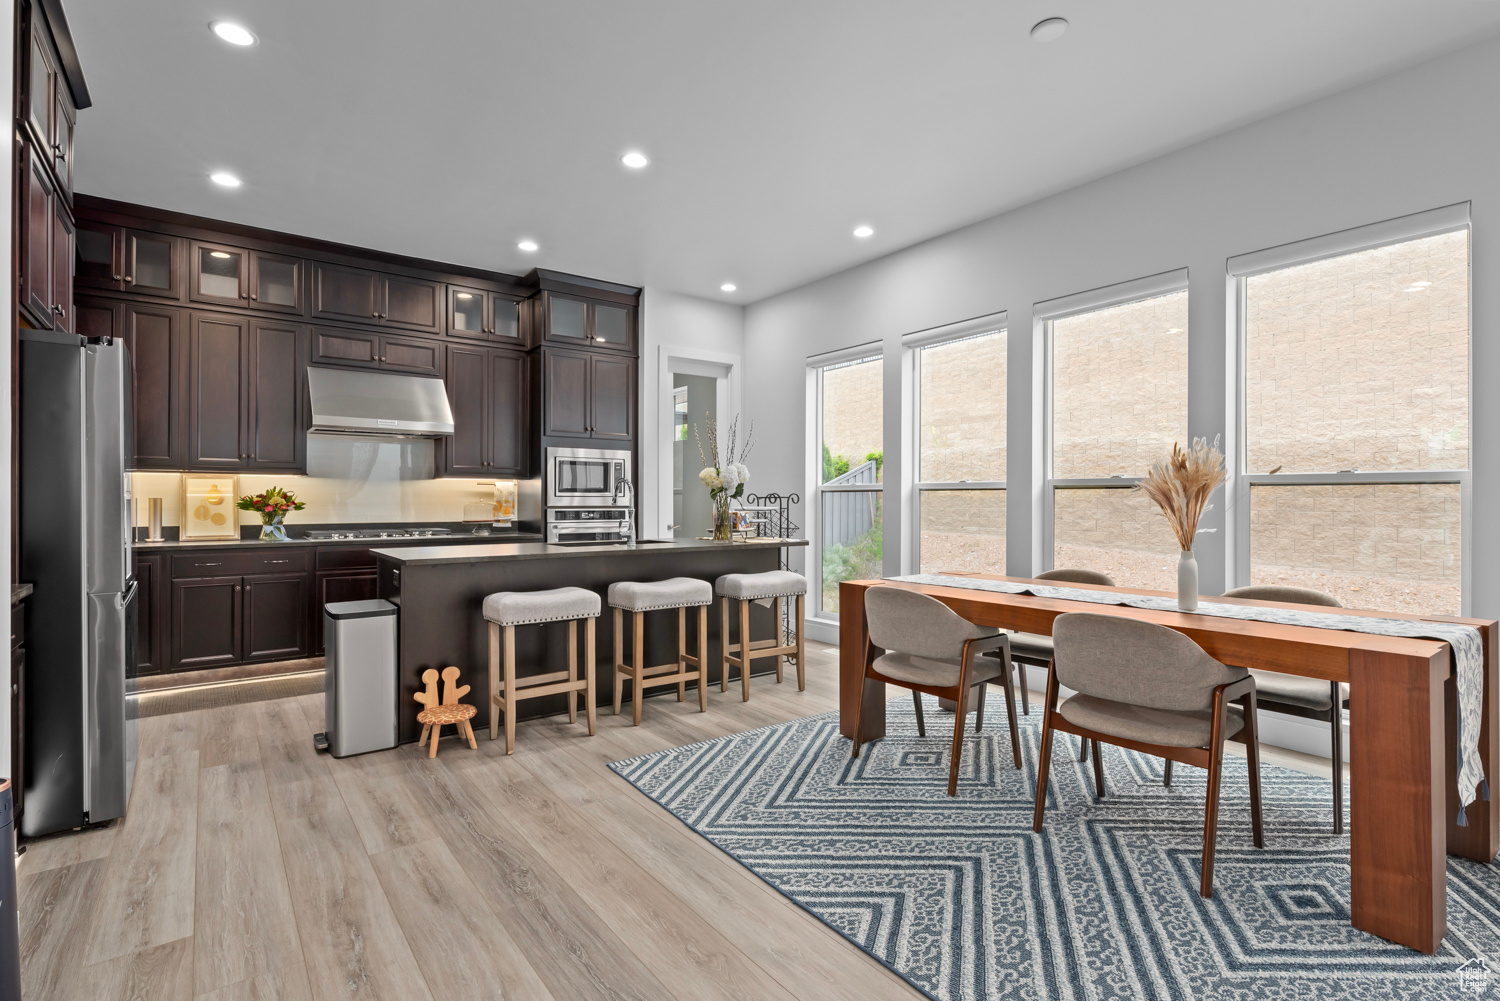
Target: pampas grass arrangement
pixel 1181 486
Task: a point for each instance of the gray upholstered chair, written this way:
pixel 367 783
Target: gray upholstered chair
pixel 638 598
pixel 1309 698
pixel 1149 688
pixel 927 647
pixel 1034 649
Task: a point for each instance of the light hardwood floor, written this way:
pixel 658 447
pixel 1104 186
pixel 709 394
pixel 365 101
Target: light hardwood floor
pixel 250 868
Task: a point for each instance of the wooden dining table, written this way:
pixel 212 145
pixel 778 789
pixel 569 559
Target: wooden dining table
pixel 1403 712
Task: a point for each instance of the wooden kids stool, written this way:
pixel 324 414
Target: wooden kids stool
pixel 435 716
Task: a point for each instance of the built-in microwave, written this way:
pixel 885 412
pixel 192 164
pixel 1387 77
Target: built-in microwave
pixel 587 477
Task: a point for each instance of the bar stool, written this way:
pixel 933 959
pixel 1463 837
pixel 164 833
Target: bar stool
pixel 507 609
pixel 763 587
pixel 638 598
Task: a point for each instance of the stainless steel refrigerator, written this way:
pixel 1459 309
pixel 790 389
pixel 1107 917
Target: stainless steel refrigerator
pixel 75 528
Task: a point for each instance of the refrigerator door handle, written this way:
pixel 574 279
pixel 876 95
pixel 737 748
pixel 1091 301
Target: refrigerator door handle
pixel 125 597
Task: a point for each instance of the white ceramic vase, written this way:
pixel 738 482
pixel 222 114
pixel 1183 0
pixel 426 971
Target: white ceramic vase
pixel 1187 581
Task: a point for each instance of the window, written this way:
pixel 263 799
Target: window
pixel 850 414
pixel 1119 400
pixel 960 453
pixel 1355 409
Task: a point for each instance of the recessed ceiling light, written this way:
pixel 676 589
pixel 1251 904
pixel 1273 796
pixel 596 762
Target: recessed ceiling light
pixel 1049 30
pixel 864 232
pixel 527 246
pixel 224 179
pixel 635 159
pixel 728 287
pixel 234 34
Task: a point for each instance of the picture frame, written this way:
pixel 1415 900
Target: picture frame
pixel 209 508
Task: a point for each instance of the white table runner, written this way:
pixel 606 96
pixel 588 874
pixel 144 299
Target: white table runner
pixel 1465 642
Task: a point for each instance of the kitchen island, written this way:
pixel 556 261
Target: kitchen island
pixel 439 591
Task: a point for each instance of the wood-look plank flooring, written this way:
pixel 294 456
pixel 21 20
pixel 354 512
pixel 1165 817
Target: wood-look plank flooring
pixel 250 868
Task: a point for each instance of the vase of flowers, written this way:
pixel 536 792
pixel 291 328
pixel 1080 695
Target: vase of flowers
pixel 273 507
pixel 726 475
pixel 1180 487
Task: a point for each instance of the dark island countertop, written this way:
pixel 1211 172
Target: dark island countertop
pixel 457 539
pixel 430 555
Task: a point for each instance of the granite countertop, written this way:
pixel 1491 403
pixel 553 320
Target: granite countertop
pixel 19 593
pixel 430 554
pixel 459 539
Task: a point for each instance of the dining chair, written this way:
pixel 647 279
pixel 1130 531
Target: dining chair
pixel 927 647
pixel 1148 688
pixel 1309 698
pixel 1034 649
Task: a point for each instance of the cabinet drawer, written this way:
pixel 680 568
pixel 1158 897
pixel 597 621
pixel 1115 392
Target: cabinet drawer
pixel 220 564
pixel 345 558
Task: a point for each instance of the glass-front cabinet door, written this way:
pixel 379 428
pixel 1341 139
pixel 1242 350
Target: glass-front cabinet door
pixel 466 312
pixel 149 265
pixel 568 320
pixel 275 282
pixel 505 318
pixel 97 253
pixel 612 325
pixel 218 274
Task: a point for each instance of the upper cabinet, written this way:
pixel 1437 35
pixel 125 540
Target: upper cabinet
pixel 231 276
pixel 489 316
pixel 579 322
pixel 47 235
pixel 587 395
pixel 370 297
pixel 46 105
pixel 127 260
pixel 487 389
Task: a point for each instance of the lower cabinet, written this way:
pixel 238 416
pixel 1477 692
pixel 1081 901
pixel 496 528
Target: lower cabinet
pixel 207 623
pixel 150 658
pixel 275 616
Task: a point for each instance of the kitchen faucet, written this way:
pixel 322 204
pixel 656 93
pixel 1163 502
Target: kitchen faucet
pixel 623 483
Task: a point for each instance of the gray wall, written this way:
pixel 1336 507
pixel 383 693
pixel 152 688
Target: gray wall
pixel 1416 140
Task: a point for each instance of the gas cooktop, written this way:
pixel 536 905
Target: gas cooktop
pixel 363 533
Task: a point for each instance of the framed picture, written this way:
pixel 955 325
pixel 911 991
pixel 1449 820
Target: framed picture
pixel 208 507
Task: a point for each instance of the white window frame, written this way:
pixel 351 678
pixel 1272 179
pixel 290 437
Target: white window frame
pixel 1434 222
pixel 912 345
pixel 816 364
pixel 1044 315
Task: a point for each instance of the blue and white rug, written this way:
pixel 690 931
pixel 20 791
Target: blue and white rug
pixel 961 899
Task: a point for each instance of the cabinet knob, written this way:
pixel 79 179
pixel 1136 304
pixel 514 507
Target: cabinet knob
pixel 375 315
pixel 117 277
pixel 128 279
pixel 254 296
pixel 243 456
pixel 244 296
pixel 236 587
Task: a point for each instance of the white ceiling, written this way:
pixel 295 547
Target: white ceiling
pixel 452 128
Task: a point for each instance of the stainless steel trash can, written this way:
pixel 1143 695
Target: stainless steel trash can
pixel 10 929
pixel 359 644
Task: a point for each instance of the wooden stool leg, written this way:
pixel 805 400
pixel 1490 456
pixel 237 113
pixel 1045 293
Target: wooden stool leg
pixel 573 669
pixel 723 644
pixel 681 649
pixel 745 650
pixel 509 669
pixel 619 661
pixel 437 731
pixel 638 646
pixel 469 733
pixel 422 740
pixel 703 658
pixel 777 634
pixel 588 672
pixel 801 652
pixel 494 679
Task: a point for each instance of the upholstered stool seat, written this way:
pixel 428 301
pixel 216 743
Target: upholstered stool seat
pixel 771 586
pixel 505 610
pixel 638 598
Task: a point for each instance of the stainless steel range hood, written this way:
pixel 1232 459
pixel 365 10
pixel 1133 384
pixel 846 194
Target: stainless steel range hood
pixel 351 401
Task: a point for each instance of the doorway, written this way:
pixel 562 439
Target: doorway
pixel 692 386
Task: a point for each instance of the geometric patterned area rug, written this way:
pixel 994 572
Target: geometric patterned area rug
pixel 962 900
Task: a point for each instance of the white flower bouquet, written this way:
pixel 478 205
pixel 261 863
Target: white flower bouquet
pixel 724 476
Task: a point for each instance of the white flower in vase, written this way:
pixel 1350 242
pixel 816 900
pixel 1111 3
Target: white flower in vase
pixel 710 478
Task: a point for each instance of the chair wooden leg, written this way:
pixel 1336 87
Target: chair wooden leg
pixel 573 669
pixel 469 735
pixel 509 668
pixel 745 650
pixel 777 633
pixel 723 644
pixel 619 661
pixel 980 690
pixel 422 740
pixel 1336 725
pixel 437 731
pixel 916 701
pixel 1083 748
pixel 959 719
pixel 1044 762
pixel 494 679
pixel 1098 770
pixel 1010 717
pixel 801 653
pixel 638 667
pixel 1166 773
pixel 1252 765
pixel 1025 689
pixel 703 658
pixel 588 672
pixel 1211 800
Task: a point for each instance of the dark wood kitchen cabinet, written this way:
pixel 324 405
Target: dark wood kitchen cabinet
pixel 487 316
pixel 62 268
pixel 340 585
pixel 127 260
pixel 587 395
pixel 593 323
pixel 150 657
pixel 488 391
pixel 368 349
pixel 233 276
pixel 232 606
pixel 206 623
pixel 370 297
pixel 244 393
pixel 274 419
pixel 275 616
pixel 153 339
pixel 38 201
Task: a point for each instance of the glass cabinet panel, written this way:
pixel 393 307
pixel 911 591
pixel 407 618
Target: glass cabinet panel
pixel 219 273
pixel 150 263
pixel 612 325
pixel 569 319
pixel 94 255
pixel 276 281
pixel 40 96
pixel 507 318
pixel 468 311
